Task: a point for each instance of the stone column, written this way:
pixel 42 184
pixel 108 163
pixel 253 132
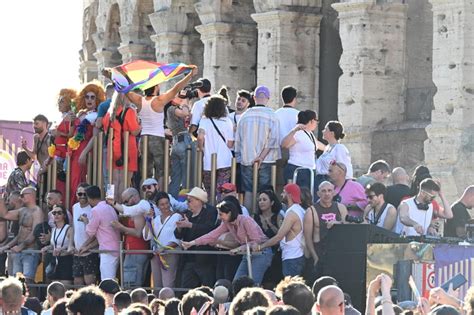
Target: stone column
pixel 288 50
pixel 450 145
pixel 230 43
pixel 133 51
pixel 373 85
pixel 176 40
pixel 88 71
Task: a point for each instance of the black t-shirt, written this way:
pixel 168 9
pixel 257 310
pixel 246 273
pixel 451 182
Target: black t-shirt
pixel 460 218
pixel 396 193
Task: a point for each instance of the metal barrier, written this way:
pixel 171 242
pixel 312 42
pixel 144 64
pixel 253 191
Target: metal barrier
pixel 54 174
pixel 233 171
pixel 295 177
pixel 254 187
pixel 68 180
pixel 126 139
pixel 213 178
pixel 166 166
pixel 198 178
pixel 144 142
pixel 94 159
pixel 188 167
pixel 100 160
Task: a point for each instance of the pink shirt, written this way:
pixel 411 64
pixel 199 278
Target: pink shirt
pixel 99 226
pixel 243 229
pixel 352 194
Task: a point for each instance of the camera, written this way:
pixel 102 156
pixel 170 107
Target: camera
pixel 354 219
pixel 190 90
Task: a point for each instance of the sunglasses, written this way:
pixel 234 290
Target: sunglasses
pixel 81 194
pixel 146 187
pixel 57 212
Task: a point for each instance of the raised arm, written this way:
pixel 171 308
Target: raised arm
pixel 11 215
pixel 289 139
pixel 165 98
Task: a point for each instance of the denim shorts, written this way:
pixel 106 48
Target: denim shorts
pixel 264 176
pixel 26 263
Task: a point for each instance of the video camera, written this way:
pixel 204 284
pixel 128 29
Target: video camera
pixel 190 90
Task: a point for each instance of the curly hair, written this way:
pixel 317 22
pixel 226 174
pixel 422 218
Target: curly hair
pixel 215 107
pixel 68 95
pixel 94 87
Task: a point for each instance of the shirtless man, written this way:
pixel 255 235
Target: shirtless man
pixel 9 229
pixel 28 217
pixel 320 218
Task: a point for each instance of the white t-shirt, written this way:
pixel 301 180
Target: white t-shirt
pixel 80 235
pixel 338 153
pixel 288 118
pixel 303 152
pixel 213 142
pixel 198 110
pixel 141 208
pixel 234 117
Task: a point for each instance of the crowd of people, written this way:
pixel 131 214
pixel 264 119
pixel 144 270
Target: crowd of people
pixel 283 237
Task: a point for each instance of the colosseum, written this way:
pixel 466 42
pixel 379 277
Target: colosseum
pixel 399 74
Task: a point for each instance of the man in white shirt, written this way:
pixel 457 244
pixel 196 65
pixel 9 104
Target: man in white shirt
pixel 288 118
pixel 242 102
pixel 415 213
pixel 204 92
pixel 55 291
pixel 85 266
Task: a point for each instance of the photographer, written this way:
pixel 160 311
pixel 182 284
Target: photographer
pixel 177 116
pixel 203 90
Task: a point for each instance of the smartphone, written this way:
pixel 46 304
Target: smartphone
pixel 456 281
pixel 414 289
pixel 110 194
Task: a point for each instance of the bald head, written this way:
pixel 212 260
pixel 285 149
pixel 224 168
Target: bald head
pixel 468 197
pixel 400 176
pixel 130 196
pixel 166 294
pixel 330 300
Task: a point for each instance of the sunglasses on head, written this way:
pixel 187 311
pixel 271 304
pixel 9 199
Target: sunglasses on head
pixel 146 187
pixel 57 212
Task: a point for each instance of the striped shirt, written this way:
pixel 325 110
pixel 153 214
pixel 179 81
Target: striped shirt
pixel 258 129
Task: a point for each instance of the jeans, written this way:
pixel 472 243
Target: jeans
pixel 264 176
pixel 260 264
pixel 304 176
pixel 178 164
pixel 26 264
pixel 134 269
pixel 293 267
pixel 156 147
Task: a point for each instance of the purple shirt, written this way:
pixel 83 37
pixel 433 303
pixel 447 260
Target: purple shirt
pixel 353 194
pixel 99 226
pixel 243 229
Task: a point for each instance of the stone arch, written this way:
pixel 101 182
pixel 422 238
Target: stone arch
pixel 112 38
pixel 88 30
pixel 141 17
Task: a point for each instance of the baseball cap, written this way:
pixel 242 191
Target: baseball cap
pixel 261 89
pixel 205 84
pixel 109 286
pixel 227 188
pixel 150 181
pixel 294 191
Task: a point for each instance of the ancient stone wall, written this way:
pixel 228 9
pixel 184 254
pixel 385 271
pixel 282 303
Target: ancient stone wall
pixel 397 73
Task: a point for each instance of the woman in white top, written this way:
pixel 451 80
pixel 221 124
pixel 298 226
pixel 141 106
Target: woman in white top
pixel 334 151
pixel 62 245
pixel 216 135
pixel 302 145
pixel 159 230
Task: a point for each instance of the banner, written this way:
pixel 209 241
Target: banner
pixel 451 260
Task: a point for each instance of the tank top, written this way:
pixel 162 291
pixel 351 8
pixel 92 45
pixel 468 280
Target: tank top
pixel 59 236
pixel 378 219
pixel 152 122
pixel 133 242
pixel 422 217
pixel 324 214
pixel 294 248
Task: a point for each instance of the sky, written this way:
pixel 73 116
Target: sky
pixel 39 54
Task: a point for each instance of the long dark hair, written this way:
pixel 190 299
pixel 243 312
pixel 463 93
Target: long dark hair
pixel 421 172
pixel 276 207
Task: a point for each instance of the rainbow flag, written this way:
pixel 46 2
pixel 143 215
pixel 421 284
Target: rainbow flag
pixel 143 74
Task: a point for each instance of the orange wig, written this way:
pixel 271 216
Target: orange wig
pixel 68 95
pixel 94 87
